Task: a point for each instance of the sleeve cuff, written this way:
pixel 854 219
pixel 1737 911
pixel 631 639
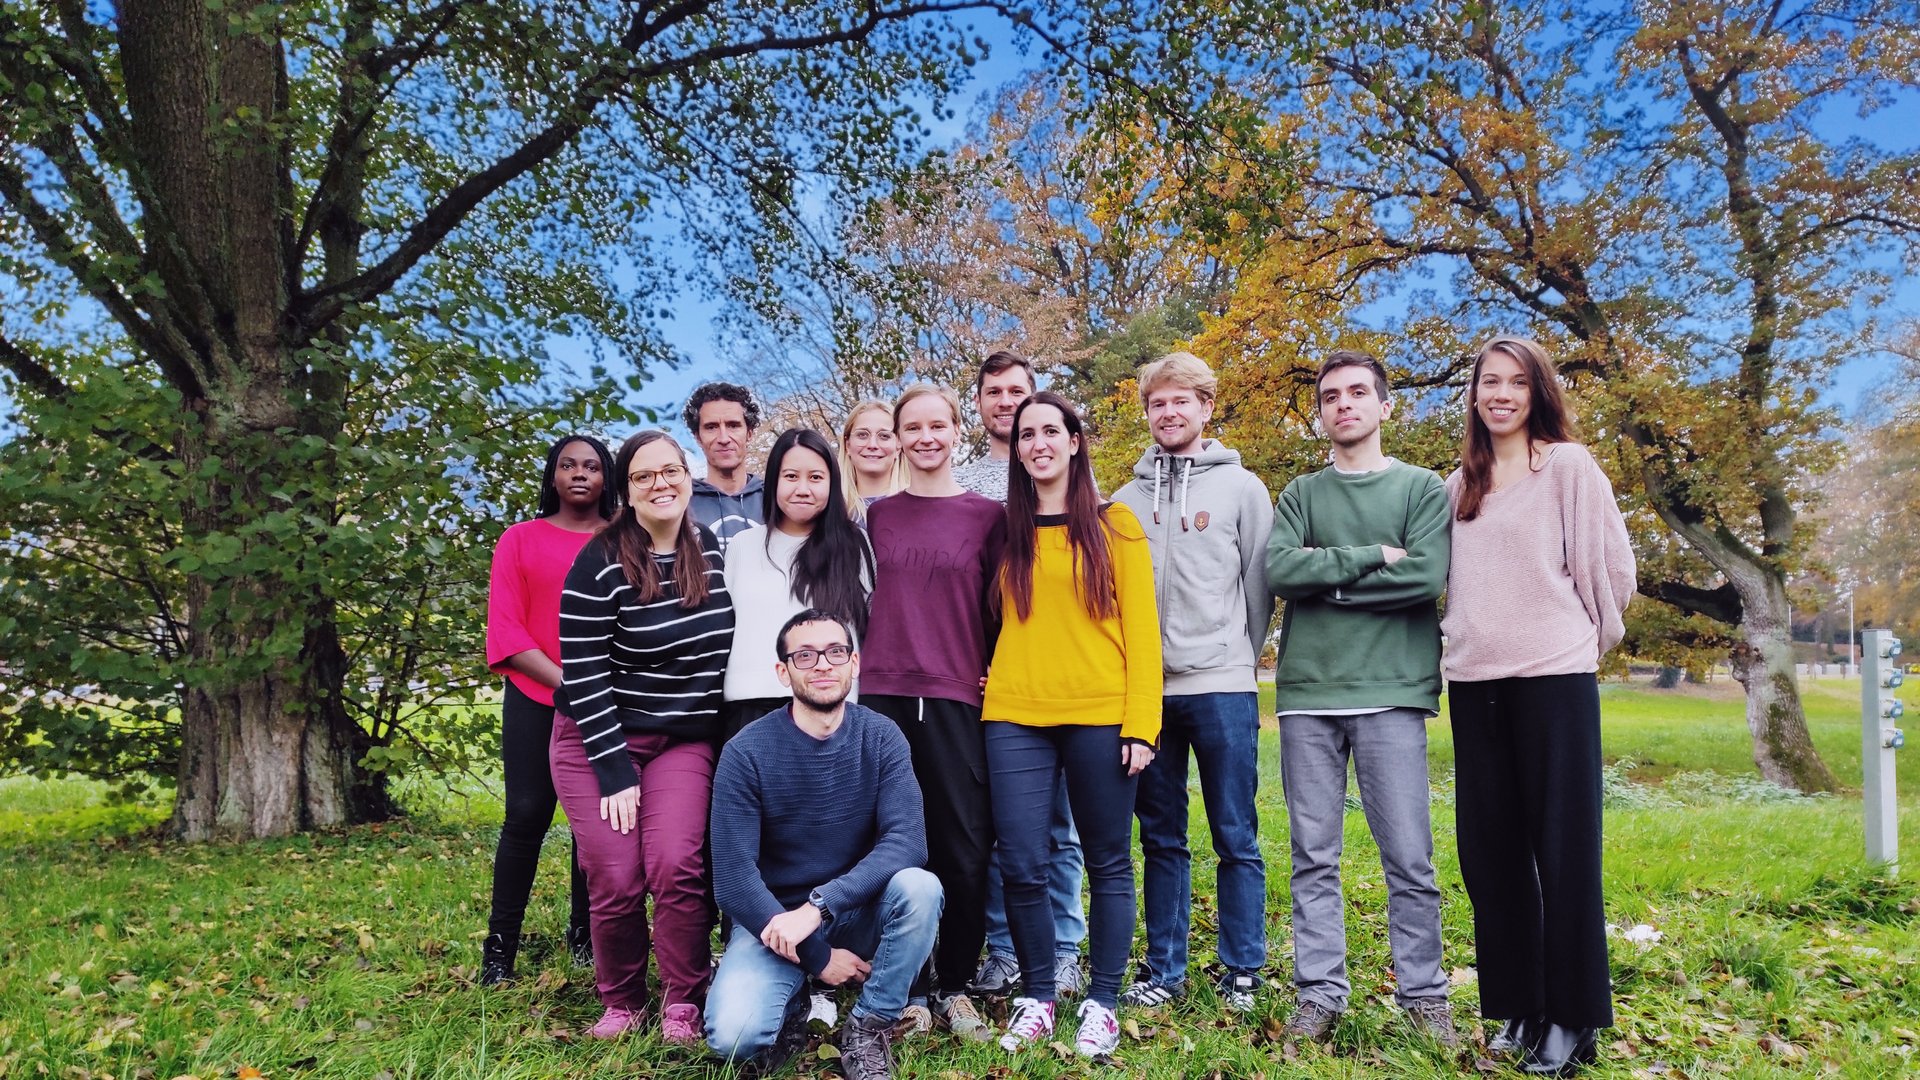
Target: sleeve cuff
pixel 615 773
pixel 815 952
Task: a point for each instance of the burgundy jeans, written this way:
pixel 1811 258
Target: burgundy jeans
pixel 665 858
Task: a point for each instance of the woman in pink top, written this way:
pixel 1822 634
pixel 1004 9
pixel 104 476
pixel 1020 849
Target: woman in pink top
pixel 523 643
pixel 1541 574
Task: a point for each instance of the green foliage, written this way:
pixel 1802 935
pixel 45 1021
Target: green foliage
pixel 391 523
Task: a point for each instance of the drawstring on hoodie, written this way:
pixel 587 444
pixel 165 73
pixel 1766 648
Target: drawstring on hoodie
pixel 1156 485
pixel 1186 481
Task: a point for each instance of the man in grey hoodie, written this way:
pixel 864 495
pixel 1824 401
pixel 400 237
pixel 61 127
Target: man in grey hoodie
pixel 1207 521
pixel 722 417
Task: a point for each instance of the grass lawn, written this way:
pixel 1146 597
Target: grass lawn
pixel 352 954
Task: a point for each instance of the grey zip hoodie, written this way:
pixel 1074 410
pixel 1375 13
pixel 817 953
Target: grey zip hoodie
pixel 1207 521
pixel 727 515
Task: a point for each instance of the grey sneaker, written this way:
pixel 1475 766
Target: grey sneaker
pixel 1311 1020
pixel 1237 990
pixel 1431 1015
pixel 1068 979
pixel 956 1013
pixel 1148 994
pixel 998 974
pixel 866 1048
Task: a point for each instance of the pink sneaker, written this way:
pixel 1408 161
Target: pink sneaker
pixel 681 1024
pixel 616 1022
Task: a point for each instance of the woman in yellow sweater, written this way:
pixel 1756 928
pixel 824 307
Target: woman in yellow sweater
pixel 1074 686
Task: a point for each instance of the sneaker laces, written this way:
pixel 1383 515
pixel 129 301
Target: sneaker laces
pixel 1032 1020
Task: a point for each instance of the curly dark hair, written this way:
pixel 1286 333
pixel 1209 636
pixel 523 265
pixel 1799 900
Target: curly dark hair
pixel 719 391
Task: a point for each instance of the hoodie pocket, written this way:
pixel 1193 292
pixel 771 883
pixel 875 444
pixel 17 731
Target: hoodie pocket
pixel 1197 618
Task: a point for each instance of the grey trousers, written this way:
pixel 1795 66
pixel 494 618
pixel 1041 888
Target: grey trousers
pixel 1389 754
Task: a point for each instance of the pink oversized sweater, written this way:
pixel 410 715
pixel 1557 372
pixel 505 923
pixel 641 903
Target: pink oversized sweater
pixel 1541 577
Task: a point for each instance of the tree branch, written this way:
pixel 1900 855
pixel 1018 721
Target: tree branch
pixel 1721 605
pixel 321 307
pixel 31 372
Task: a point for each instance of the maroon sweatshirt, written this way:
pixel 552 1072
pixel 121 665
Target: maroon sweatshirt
pixel 930 632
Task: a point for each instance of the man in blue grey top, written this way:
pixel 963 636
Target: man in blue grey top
pixel 819 845
pixel 1207 522
pixel 723 417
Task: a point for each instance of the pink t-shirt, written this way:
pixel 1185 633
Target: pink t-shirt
pixel 523 603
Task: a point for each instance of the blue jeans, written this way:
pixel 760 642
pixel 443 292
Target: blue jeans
pixel 1224 732
pixel 1063 887
pixel 751 991
pixel 1024 766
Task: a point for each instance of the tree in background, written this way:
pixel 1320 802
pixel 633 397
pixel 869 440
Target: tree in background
pixel 281 264
pixel 1648 189
pixel 1870 536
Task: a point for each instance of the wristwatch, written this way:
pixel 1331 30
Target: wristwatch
pixel 820 904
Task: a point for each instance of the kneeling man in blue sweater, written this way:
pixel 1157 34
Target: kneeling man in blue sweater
pixel 819 843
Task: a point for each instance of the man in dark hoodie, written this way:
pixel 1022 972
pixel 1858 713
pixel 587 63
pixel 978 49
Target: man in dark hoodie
pixel 722 417
pixel 1207 522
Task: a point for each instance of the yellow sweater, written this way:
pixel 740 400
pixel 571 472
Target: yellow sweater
pixel 1060 665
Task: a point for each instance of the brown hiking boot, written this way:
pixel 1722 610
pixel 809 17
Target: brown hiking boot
pixel 1311 1020
pixel 1432 1016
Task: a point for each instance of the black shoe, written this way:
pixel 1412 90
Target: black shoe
pixel 580 945
pixel 496 958
pixel 1559 1051
pixel 1514 1035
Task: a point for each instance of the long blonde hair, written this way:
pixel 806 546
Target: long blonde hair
pixel 896 478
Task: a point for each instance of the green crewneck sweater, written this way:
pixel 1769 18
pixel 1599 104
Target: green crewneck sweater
pixel 1359 634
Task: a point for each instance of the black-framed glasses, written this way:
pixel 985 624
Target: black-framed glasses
pixel 806 659
pixel 672 474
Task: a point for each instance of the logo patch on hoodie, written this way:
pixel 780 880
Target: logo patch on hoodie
pixel 1200 521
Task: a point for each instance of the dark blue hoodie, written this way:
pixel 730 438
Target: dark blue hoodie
pixel 727 515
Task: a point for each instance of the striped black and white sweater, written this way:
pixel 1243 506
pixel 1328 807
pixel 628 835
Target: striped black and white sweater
pixel 640 669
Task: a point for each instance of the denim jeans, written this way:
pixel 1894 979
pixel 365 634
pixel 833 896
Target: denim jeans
pixel 1223 731
pixel 750 993
pixel 1026 765
pixel 1389 755
pixel 1063 887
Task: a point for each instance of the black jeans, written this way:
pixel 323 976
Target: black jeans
pixel 525 728
pixel 1527 810
pixel 1025 764
pixel 950 761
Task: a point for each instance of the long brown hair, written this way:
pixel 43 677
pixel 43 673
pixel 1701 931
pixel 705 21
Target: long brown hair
pixel 1548 420
pixel 628 541
pixel 1086 524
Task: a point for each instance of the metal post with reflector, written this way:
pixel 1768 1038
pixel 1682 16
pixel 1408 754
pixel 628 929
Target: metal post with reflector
pixel 1880 736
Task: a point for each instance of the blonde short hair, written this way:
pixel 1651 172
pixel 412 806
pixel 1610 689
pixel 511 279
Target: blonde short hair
pixel 1183 370
pixel 920 390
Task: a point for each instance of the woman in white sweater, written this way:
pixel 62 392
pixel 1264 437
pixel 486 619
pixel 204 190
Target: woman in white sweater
pixel 1541 574
pixel 809 554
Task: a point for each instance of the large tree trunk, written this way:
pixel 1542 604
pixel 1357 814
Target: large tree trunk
pixel 267 746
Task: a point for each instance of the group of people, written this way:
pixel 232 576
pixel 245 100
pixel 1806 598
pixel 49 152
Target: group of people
pixel 890 714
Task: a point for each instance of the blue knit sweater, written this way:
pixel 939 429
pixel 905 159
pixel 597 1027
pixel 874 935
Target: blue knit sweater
pixel 792 813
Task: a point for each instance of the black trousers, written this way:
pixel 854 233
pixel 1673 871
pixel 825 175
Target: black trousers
pixel 1527 810
pixel 950 761
pixel 525 728
pixel 735 715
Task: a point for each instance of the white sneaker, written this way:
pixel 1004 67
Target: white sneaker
pixel 1099 1030
pixel 1032 1022
pixel 822 1013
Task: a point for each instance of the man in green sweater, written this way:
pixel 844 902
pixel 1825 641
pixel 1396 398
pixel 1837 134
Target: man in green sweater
pixel 1359 553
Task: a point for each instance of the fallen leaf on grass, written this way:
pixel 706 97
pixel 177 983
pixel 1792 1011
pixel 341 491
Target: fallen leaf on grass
pixel 827 1052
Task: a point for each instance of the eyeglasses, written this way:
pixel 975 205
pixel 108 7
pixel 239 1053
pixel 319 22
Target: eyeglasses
pixel 807 659
pixel 645 478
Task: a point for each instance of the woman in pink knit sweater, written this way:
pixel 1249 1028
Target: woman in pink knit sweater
pixel 1541 574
